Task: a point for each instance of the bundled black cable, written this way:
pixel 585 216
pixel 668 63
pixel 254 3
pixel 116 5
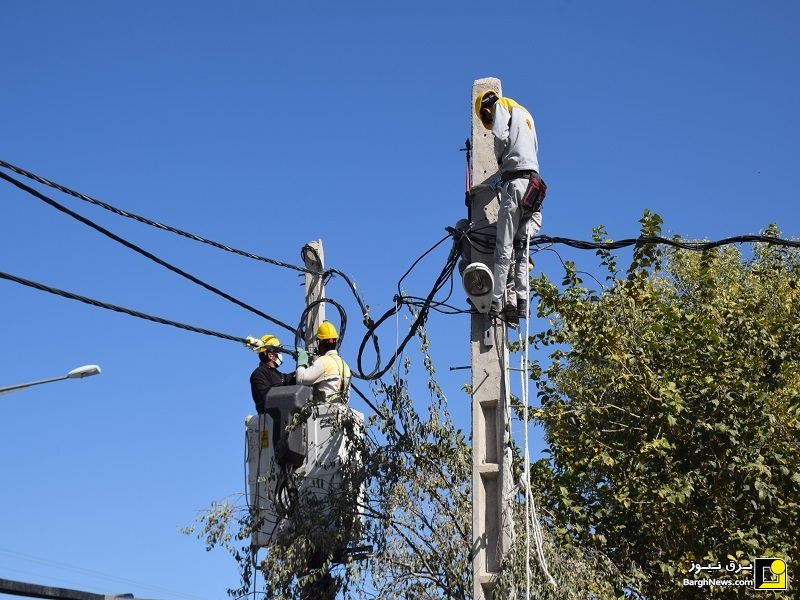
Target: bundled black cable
pixel 141 251
pixel 119 309
pixel 444 276
pixel 540 240
pixel 144 220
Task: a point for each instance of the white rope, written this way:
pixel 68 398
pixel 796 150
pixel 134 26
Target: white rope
pixel 530 506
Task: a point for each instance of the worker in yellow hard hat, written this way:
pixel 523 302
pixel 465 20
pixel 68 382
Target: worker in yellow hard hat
pixel 516 148
pixel 266 375
pixel 329 374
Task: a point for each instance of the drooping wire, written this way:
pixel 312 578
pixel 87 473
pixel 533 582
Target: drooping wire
pixel 441 280
pixel 300 333
pixel 119 309
pixel 361 304
pixel 142 251
pixel 144 220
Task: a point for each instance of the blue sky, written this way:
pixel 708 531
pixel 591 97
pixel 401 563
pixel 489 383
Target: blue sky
pixel 264 127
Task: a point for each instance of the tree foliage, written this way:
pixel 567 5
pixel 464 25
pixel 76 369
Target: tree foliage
pixel 671 406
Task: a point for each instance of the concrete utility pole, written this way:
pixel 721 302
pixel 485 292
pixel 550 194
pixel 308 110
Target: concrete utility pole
pixel 314 260
pixel 492 526
pixel 322 588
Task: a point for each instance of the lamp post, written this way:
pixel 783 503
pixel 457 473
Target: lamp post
pixel 79 373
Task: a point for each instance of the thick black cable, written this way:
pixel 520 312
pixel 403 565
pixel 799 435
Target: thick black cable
pixel 144 220
pixel 142 251
pixel 327 273
pixel 369 403
pixel 444 276
pixel 119 309
pixel 642 241
pixel 362 306
pixel 300 333
pixel 192 236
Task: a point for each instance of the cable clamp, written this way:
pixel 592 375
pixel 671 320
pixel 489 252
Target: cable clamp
pixel 368 322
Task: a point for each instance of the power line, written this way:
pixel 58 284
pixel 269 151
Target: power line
pixel 400 299
pixel 175 230
pixel 423 304
pixel 120 309
pixel 327 273
pixel 368 322
pixel 142 251
pixel 146 221
pixel 644 240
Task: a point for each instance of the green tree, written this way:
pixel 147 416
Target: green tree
pixel 671 406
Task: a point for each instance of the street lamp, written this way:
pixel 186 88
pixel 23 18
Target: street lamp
pixel 479 284
pixel 79 373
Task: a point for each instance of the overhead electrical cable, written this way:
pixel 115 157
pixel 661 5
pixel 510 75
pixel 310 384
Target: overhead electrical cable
pixel 118 211
pixel 641 241
pixel 142 251
pixel 144 220
pixel 441 280
pixel 361 304
pixel 120 309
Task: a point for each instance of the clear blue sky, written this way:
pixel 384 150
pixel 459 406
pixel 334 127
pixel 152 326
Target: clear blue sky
pixel 264 126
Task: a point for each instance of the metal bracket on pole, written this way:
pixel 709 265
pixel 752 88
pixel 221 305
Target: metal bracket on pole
pixel 488 340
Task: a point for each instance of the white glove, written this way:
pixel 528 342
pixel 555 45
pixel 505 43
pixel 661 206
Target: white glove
pixel 253 343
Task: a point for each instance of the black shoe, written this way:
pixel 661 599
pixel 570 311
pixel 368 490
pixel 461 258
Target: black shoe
pixel 522 308
pixel 511 316
pixel 494 311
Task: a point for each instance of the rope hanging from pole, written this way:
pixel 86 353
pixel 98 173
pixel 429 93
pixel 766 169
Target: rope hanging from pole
pixel 531 518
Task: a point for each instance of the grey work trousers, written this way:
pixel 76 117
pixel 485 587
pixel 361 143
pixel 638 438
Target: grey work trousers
pixel 513 224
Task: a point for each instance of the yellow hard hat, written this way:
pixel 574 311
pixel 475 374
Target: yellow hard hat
pixel 485 100
pixel 327 331
pixel 270 343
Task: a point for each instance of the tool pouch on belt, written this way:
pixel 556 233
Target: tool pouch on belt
pixel 535 193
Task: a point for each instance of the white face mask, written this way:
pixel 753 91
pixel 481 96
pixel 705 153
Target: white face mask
pixel 278 359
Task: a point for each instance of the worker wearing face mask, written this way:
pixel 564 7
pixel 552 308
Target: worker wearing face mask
pixel 266 375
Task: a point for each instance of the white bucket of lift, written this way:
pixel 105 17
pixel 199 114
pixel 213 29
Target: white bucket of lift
pixel 273 488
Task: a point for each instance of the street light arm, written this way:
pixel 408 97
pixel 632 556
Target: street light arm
pixel 11 388
pixel 79 373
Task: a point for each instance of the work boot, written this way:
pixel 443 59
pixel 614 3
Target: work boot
pixel 522 308
pixel 511 316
